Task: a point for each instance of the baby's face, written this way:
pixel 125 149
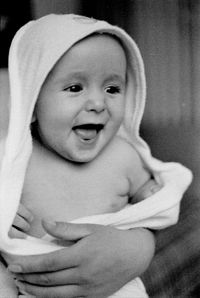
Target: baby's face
pixel 81 104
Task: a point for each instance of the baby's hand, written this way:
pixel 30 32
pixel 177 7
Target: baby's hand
pixel 146 190
pixel 21 223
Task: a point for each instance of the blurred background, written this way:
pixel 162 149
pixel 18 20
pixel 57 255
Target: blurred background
pixel 168 35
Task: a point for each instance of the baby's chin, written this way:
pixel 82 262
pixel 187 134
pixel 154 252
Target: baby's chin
pixel 83 156
pixel 82 159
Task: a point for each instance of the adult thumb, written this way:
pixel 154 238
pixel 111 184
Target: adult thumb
pixel 69 231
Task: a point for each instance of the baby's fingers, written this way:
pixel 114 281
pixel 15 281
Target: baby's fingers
pixel 25 213
pixel 21 223
pixel 147 190
pixel 15 233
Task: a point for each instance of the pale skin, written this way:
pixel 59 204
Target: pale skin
pixel 91 80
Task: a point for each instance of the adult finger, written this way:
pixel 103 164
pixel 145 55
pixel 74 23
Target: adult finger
pixel 62 277
pixel 69 231
pixel 25 213
pixel 71 291
pixel 58 260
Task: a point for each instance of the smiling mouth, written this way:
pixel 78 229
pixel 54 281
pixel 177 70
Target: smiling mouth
pixel 88 132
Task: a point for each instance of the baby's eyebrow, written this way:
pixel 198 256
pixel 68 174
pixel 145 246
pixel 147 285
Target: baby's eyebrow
pixel 116 77
pixel 73 75
pixel 81 75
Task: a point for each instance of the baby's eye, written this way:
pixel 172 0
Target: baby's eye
pixel 74 88
pixel 113 89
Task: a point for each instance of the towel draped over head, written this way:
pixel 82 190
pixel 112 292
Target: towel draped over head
pixel 34 51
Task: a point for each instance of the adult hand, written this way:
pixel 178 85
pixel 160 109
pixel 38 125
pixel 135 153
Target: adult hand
pixel 100 262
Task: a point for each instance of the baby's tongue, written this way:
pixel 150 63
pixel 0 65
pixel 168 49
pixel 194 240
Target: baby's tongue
pixel 86 132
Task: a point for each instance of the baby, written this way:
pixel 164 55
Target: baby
pixel 86 155
pixel 79 166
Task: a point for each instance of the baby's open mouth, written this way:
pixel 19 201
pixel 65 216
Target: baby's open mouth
pixel 88 131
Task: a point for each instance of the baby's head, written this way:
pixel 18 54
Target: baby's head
pixel 83 78
pixel 81 103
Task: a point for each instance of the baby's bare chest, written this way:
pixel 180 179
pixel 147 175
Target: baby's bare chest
pixel 67 195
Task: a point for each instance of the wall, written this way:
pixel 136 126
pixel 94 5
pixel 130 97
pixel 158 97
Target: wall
pixel 43 7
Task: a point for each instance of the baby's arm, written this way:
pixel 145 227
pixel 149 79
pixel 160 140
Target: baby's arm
pixel 142 184
pixel 21 223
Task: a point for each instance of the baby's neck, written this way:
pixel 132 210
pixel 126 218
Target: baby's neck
pixel 46 154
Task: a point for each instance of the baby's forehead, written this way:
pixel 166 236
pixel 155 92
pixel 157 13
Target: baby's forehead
pixel 92 45
pixel 102 36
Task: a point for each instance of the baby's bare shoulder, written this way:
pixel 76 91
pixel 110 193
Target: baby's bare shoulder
pixel 122 150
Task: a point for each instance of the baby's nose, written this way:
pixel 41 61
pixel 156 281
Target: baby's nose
pixel 96 102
